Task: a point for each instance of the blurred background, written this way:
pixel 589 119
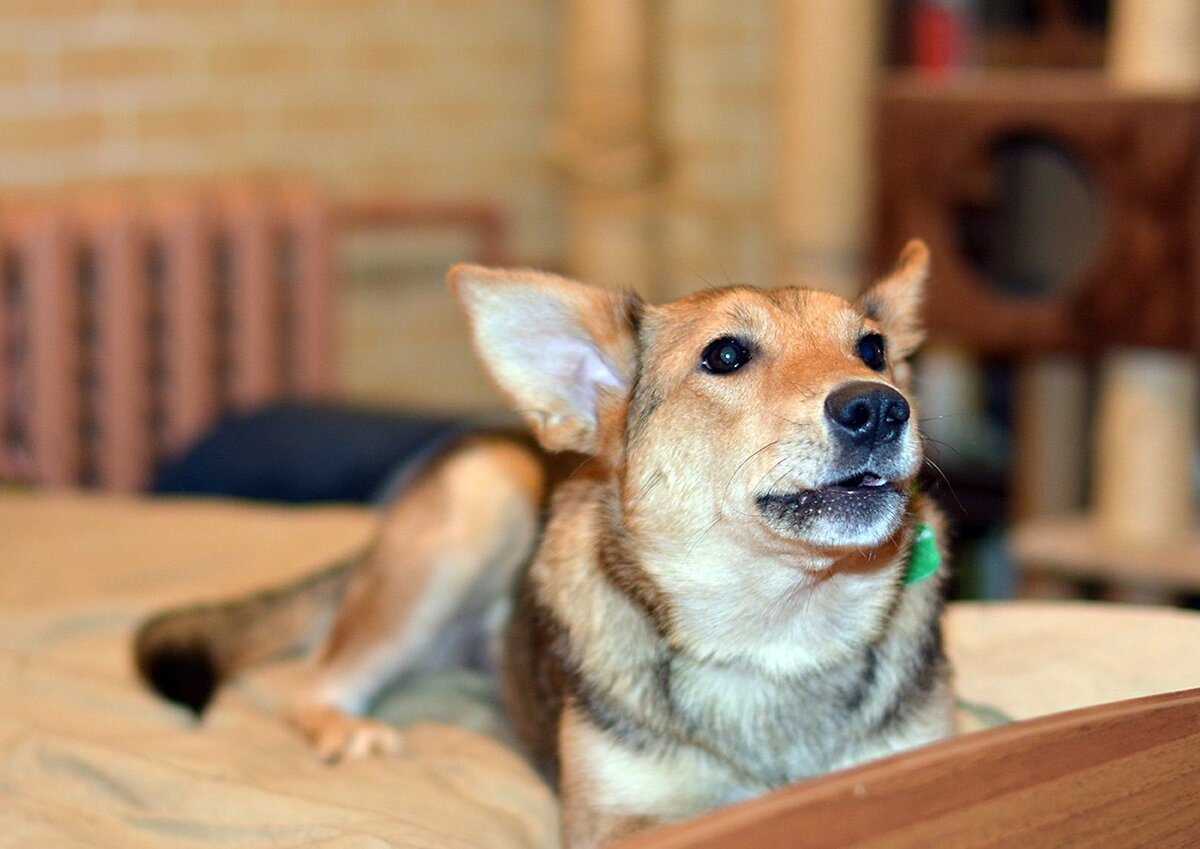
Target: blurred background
pixel 207 206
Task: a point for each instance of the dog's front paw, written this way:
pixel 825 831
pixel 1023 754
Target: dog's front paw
pixel 336 734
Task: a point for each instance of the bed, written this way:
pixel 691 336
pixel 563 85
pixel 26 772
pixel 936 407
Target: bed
pixel 89 758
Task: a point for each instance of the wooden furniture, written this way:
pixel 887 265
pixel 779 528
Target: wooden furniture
pixel 129 322
pixel 936 142
pixel 1059 39
pixel 1123 776
pixel 384 212
pixel 939 144
pixel 1077 548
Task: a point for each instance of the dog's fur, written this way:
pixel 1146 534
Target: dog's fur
pixel 716 606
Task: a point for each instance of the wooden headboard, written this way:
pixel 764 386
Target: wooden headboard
pixel 128 323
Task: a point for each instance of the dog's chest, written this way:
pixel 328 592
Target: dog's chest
pixel 773 731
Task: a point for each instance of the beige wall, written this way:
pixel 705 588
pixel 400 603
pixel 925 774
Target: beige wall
pixel 426 97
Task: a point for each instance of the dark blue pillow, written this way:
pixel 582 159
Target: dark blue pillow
pixel 303 452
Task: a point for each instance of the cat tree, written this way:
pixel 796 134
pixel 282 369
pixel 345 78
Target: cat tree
pixel 1132 308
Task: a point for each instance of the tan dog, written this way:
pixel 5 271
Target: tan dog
pixel 718 603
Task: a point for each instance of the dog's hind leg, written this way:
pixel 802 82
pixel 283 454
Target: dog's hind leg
pixel 447 553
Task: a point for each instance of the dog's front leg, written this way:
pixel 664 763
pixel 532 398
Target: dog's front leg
pixel 447 551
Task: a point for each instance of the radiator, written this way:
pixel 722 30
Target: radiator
pixel 128 323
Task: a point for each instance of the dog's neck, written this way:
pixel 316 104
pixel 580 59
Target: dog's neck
pixel 783 609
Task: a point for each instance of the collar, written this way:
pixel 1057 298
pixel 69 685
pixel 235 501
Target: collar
pixel 923 555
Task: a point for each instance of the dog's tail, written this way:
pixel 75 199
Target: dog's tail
pixel 186 653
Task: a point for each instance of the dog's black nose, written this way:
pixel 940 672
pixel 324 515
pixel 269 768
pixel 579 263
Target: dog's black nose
pixel 867 413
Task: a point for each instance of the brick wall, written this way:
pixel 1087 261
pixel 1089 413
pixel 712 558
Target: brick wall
pixel 717 81
pixel 424 98
pixel 429 98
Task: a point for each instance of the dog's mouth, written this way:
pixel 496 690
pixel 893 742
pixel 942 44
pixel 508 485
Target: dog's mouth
pixel 847 511
pixel 866 482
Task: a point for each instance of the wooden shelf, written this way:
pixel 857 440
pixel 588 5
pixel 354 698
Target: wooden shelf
pixel 1078 547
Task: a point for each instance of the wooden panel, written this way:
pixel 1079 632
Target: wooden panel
pixel 138 320
pixel 1193 261
pixel 255 343
pixel 7 360
pixel 1077 546
pixel 124 446
pixel 308 231
pixel 482 220
pixel 1124 775
pixel 184 227
pixel 49 251
pixel 934 149
pixel 16 461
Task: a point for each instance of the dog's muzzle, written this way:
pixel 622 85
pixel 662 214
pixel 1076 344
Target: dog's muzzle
pixel 867 424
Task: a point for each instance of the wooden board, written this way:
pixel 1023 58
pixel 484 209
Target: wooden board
pixel 1120 775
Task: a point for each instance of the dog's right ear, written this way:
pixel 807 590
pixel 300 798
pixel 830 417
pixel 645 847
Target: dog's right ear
pixel 563 352
pixel 895 301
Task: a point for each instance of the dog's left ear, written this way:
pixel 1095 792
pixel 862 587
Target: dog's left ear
pixel 895 301
pixel 564 353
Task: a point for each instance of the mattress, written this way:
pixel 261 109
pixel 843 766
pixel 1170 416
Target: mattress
pixel 89 758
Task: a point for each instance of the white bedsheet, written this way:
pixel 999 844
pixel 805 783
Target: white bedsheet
pixel 89 758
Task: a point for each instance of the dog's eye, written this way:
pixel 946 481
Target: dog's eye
pixel 873 350
pixel 724 355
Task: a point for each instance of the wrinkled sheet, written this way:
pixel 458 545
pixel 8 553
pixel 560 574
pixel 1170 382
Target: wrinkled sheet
pixel 89 758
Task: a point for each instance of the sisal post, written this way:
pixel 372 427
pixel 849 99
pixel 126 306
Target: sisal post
pixel 1145 439
pixel 829 58
pixel 603 145
pixel 1155 44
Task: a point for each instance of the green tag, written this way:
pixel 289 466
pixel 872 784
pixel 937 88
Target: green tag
pixel 923 559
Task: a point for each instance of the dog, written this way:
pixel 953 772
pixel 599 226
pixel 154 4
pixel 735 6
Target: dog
pixel 699 588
